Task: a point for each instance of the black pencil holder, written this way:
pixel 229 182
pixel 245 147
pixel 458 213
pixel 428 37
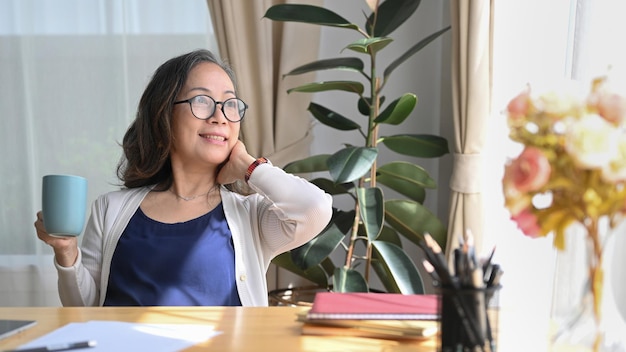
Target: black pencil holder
pixel 464 320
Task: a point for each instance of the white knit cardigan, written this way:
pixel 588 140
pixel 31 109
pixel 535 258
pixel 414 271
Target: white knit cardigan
pixel 286 212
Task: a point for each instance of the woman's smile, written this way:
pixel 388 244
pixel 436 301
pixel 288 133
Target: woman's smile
pixel 214 138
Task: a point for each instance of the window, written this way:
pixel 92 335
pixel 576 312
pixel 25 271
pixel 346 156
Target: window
pixel 72 72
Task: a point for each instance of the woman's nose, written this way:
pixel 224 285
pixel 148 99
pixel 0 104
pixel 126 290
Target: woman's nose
pixel 218 115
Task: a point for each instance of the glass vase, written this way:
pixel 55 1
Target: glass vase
pixel 584 315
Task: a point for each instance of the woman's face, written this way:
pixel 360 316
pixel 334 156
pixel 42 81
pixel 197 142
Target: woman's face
pixel 203 142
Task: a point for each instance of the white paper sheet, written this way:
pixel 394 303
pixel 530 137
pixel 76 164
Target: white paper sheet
pixel 124 336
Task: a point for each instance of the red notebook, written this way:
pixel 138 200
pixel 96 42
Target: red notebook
pixel 357 305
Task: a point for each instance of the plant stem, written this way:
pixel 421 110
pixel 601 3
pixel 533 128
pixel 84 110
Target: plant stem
pixel 372 142
pixel 354 231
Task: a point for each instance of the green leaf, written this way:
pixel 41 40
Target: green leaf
pixel 390 15
pixel 411 185
pixel 351 163
pixel 348 86
pixel 417 145
pixel 371 204
pixel 410 190
pixel 348 280
pixel 365 103
pixel 329 268
pixel 408 172
pixel 398 110
pixel 343 219
pixel 313 252
pixel 307 14
pixel 332 119
pixel 414 49
pixel 369 45
pixel 315 274
pixel 396 268
pixel 331 187
pixel 412 220
pixel 315 163
pixel 342 63
pixel 388 234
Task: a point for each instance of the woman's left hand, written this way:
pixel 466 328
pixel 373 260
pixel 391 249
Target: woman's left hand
pixel 236 166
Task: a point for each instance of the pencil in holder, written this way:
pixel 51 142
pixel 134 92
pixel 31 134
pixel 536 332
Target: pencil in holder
pixel 464 320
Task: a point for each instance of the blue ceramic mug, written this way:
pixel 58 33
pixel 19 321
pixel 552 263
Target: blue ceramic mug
pixel 64 204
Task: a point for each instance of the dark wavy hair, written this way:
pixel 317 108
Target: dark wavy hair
pixel 148 141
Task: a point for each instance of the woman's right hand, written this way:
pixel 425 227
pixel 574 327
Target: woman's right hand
pixel 236 166
pixel 65 248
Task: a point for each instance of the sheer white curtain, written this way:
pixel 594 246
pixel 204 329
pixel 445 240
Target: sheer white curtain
pixel 541 43
pixel 72 72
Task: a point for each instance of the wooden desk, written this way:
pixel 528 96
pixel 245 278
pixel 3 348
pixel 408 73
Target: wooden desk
pixel 244 329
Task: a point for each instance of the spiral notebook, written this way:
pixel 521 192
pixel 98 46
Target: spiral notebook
pixel 10 327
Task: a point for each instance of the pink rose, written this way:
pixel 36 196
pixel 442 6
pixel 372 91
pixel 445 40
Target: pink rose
pixel 529 172
pixel 612 107
pixel 518 106
pixel 527 222
pixel 516 202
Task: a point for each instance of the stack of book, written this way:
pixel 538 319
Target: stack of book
pixel 376 315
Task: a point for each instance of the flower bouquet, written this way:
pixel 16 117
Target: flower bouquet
pixel 572 170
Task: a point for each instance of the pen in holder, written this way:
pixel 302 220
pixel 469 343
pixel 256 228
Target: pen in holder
pixel 464 295
pixel 464 322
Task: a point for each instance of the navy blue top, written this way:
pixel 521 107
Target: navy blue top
pixel 190 263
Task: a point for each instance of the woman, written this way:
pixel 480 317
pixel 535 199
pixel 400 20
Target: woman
pixel 182 231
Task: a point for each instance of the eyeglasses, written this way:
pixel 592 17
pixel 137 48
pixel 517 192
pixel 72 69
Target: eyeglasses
pixel 203 107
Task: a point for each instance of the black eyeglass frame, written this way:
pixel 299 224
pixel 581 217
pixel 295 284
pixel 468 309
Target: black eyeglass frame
pixel 245 107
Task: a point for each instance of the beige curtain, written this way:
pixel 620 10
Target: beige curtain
pixel 277 125
pixel 472 23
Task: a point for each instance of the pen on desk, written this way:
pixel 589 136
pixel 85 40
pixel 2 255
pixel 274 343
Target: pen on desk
pixel 57 347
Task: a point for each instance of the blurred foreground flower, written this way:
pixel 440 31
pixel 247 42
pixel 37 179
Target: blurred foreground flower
pixel 575 152
pixel 572 170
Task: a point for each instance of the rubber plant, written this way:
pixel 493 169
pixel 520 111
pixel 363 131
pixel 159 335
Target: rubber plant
pixel 368 234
